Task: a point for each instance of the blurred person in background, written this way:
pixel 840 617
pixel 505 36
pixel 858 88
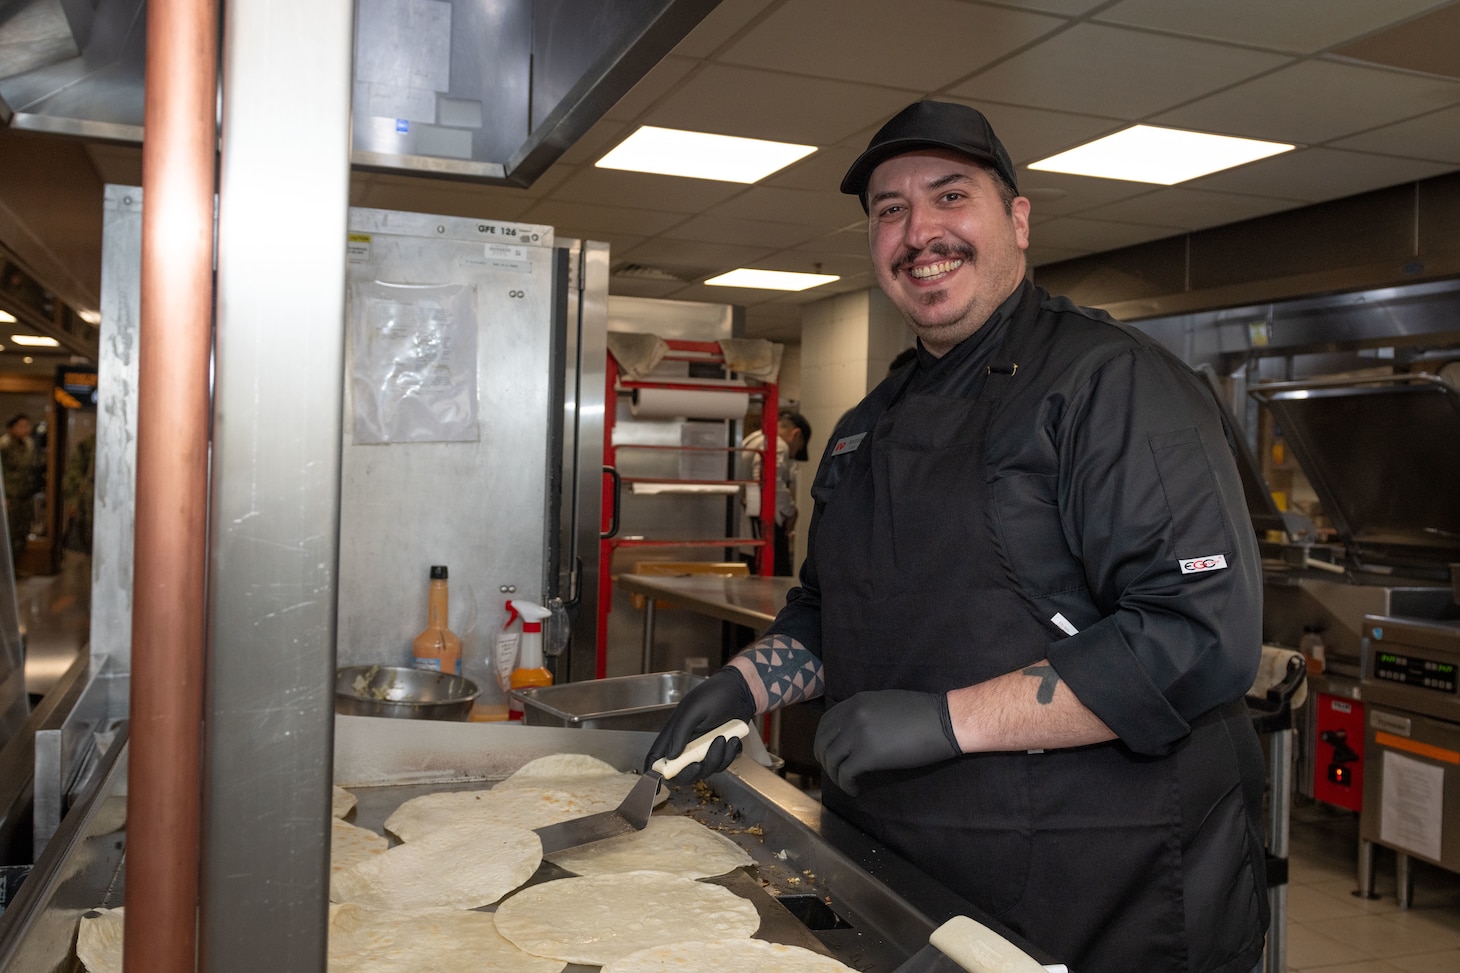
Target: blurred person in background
pixel 793 432
pixel 17 461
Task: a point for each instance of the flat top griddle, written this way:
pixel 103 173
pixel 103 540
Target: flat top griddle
pixel 817 882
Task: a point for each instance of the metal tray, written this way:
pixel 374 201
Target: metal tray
pixel 618 703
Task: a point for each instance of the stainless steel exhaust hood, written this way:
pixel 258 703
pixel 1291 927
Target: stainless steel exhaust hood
pixel 489 90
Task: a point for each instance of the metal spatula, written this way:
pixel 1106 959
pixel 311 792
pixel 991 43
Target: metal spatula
pixel 633 813
pixel 973 947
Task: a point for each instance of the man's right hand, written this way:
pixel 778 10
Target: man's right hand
pixel 723 696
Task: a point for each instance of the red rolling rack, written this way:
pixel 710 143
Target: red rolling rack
pixel 616 385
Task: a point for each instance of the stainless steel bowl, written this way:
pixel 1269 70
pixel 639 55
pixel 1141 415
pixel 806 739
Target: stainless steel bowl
pixel 403 693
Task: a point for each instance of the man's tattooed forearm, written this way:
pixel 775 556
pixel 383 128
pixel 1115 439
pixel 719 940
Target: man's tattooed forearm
pixel 780 671
pixel 1048 679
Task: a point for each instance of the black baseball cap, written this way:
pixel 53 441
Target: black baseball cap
pixel 931 125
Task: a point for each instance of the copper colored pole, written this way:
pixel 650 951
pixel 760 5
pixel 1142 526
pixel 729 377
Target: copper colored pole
pixel 174 345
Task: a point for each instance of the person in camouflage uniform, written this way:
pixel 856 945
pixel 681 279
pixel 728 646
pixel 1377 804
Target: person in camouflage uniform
pixel 79 485
pixel 17 461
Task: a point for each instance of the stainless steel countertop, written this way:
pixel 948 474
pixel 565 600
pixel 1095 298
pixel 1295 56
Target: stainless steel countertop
pixel 752 602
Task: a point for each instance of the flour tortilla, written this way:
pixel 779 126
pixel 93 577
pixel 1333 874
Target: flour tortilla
pixel 99 941
pixel 521 807
pixel 671 843
pixel 596 920
pixel 559 765
pixel 342 802
pixel 365 940
pixel 350 844
pixel 726 956
pixel 461 866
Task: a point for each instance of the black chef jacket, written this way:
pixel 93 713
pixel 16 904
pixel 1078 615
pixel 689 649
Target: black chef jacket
pixel 1115 542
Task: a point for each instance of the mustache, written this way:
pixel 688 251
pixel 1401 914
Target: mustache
pixel 937 249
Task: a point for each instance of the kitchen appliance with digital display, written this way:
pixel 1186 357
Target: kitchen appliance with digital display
pixel 1411 746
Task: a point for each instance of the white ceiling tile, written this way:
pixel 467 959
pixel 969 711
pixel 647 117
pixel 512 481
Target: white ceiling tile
pixel 925 45
pixel 1303 26
pixel 725 229
pixel 1435 136
pixel 641 287
pixel 1069 8
pixel 1059 194
pixel 1110 71
pixel 727 19
pixel 600 137
pixel 661 78
pixel 825 210
pixel 807 260
pixel 831 72
pixel 643 190
pixel 821 170
pixel 585 220
pixel 1031 134
pixel 550 180
pixel 1188 209
pixel 709 257
pixel 1315 101
pixel 729 100
pixel 1319 174
pixel 1425 44
pixel 851 242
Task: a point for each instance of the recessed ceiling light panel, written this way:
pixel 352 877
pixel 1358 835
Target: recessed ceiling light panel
pixel 699 155
pixel 774 280
pixel 1164 156
pixel 35 341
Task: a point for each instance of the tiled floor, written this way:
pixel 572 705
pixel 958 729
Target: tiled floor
pixel 1329 930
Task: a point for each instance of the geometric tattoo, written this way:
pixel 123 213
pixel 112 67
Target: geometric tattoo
pixel 780 671
pixel 1048 679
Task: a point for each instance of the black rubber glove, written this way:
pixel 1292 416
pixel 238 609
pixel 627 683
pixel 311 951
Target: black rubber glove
pixel 889 729
pixel 723 696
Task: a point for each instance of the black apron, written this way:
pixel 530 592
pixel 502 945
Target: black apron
pixel 1081 851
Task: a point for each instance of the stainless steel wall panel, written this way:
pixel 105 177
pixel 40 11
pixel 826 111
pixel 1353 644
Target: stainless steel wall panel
pixel 116 426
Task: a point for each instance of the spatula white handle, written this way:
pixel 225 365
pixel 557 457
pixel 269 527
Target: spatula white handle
pixel 978 949
pixel 698 747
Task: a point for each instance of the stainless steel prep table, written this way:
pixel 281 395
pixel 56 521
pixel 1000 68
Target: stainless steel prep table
pixel 752 602
pixel 880 909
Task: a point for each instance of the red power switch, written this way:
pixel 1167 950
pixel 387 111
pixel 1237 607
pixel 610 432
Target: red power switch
pixel 1338 756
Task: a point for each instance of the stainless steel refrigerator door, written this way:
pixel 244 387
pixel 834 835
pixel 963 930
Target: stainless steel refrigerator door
pixel 480 508
pixel 584 353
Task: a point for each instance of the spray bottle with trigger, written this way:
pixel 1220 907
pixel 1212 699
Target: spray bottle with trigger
pixel 529 670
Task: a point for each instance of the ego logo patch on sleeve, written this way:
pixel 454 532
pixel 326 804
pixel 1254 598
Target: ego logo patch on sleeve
pixel 1210 562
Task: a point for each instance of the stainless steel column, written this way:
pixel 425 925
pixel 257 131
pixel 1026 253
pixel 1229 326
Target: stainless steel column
pixel 284 187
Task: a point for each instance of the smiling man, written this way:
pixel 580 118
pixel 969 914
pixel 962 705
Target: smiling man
pixel 1031 598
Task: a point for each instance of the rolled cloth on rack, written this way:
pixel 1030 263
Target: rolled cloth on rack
pixel 709 403
pixel 754 358
pixel 636 354
pixel 1273 669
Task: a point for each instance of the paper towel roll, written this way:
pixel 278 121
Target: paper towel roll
pixel 686 404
